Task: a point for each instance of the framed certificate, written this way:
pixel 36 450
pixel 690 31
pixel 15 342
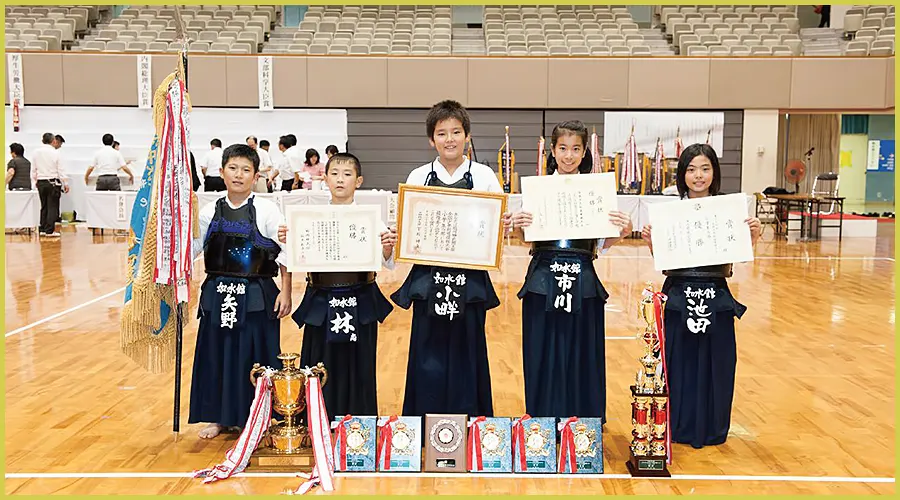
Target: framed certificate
pixel 333 238
pixel 700 232
pixel 569 206
pixel 449 227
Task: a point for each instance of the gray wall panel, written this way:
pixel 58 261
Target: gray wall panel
pixel 391 142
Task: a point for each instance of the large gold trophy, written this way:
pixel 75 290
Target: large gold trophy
pixel 650 396
pixel 287 446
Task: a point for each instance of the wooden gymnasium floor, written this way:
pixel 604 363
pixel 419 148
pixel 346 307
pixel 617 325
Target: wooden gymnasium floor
pixel 813 409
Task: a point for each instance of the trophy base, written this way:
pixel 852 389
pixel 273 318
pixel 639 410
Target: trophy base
pixel 649 466
pixel 269 460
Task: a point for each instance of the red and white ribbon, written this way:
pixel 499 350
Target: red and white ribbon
pixel 658 164
pixel 679 146
pixel 658 299
pixel 631 168
pixel 257 424
pixel 518 441
pixel 595 153
pixel 567 447
pixel 317 418
pixel 540 164
pixel 173 204
pixel 473 446
pixel 340 436
pixel 385 441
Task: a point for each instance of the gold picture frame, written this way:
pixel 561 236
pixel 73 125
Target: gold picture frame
pixel 476 207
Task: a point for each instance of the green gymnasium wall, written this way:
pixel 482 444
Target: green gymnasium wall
pixel 880 185
pixel 859 186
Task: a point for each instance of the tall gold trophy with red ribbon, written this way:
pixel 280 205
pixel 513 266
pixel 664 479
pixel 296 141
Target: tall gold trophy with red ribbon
pixel 651 446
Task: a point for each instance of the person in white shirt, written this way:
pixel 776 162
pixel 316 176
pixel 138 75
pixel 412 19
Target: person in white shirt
pixel 51 182
pixel 340 333
pixel 240 304
pixel 265 166
pixel 212 166
pixel 108 161
pixel 286 170
pixel 448 370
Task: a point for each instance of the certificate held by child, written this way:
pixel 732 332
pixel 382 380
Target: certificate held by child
pixel 334 238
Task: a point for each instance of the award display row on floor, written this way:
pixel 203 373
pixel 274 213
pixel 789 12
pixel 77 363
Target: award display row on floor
pixel 457 443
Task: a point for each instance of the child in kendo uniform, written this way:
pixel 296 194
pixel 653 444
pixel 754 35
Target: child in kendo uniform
pixel 340 312
pixel 240 304
pixel 701 352
pixel 448 371
pixel 563 320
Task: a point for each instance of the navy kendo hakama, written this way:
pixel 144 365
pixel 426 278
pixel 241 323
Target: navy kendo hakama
pixel 448 370
pixel 238 324
pixel 563 331
pixel 339 315
pixel 701 353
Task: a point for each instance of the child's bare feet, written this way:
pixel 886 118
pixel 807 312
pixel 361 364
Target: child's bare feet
pixel 211 431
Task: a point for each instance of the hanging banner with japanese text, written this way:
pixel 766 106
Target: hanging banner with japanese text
pixel 266 102
pixel 16 83
pixel 144 74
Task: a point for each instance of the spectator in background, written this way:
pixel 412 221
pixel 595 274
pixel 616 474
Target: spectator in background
pixel 108 162
pixel 263 184
pixel 330 151
pixel 312 169
pixel 285 170
pixel 58 141
pixel 195 179
pixel 51 182
pixel 18 170
pixel 116 145
pixel 825 12
pixel 264 144
pixel 212 167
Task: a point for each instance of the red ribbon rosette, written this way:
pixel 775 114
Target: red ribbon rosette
pixel 518 440
pixel 473 446
pixel 567 447
pixel 385 440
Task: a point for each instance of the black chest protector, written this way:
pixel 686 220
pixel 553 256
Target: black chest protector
pixel 465 183
pixel 716 271
pixel 581 247
pixel 234 246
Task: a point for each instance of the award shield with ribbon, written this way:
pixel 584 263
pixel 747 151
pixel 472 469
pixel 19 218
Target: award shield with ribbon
pixel 488 447
pixel 651 445
pixel 399 446
pixel 354 444
pixel 580 446
pixel 534 444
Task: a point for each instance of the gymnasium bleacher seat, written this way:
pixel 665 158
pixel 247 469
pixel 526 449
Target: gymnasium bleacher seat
pixel 350 29
pixel 563 30
pixel 48 28
pixel 733 30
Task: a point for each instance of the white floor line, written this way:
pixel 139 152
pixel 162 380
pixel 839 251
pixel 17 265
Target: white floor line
pixel 676 477
pixel 770 257
pixel 63 313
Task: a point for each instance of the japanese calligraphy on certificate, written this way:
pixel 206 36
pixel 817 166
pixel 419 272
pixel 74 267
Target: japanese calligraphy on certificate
pixel 449 227
pixel 333 238
pixel 700 232
pixel 569 206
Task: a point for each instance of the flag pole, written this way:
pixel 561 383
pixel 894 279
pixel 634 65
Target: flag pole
pixel 181 32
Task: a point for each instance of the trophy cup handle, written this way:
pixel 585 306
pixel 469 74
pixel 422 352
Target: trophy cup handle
pixel 255 373
pixel 320 371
